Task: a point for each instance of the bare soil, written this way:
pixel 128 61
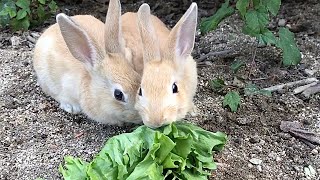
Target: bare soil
pixel 35 134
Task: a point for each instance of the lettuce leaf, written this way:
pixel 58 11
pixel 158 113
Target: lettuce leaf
pixel 176 151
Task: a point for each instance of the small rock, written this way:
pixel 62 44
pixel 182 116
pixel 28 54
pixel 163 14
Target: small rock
pixel 278 158
pixel 205 50
pixel 238 140
pixel 281 22
pixel 314 151
pixel 309 172
pixel 35 34
pixel 310 72
pixel 296 168
pixel 208 63
pixel 211 39
pixel 197 38
pixel 31 39
pixel 259 168
pixel 15 41
pixel 244 121
pixel 254 140
pixel 255 161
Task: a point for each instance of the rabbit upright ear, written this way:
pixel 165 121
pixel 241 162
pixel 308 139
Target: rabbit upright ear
pixel 113 33
pixel 151 49
pixel 78 41
pixel 181 39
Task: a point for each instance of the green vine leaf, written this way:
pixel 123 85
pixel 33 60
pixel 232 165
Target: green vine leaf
pixel 217 84
pixel 20 24
pixel 21 14
pixel 7 7
pixel 53 6
pixel 273 6
pixel 212 22
pixel 23 4
pixel 291 52
pixel 267 38
pixel 242 6
pixel 232 99
pixel 43 2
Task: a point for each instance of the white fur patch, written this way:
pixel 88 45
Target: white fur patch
pixel 143 100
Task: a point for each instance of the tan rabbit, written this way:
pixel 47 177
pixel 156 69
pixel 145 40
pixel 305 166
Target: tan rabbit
pixel 83 64
pixel 169 77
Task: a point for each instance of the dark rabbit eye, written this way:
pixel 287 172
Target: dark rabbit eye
pixel 174 88
pixel 118 95
pixel 140 92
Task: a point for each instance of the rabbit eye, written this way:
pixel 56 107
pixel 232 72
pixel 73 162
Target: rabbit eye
pixel 174 88
pixel 140 92
pixel 118 95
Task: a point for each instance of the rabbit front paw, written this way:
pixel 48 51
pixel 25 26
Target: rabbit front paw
pixel 193 110
pixel 73 109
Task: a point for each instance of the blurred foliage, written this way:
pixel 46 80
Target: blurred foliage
pixel 256 15
pixel 24 14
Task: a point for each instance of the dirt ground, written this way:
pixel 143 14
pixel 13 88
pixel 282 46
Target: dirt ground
pixel 35 134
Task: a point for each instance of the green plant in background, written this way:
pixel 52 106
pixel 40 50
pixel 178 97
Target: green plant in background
pixel 232 97
pixel 256 15
pixel 23 14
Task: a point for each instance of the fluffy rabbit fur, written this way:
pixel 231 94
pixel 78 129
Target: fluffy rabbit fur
pixel 169 77
pixel 84 65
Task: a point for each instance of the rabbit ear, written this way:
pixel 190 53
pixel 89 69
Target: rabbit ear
pixel 113 33
pixel 181 39
pixel 78 41
pixel 151 49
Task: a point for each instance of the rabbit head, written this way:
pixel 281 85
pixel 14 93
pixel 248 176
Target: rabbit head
pixel 169 77
pixel 110 88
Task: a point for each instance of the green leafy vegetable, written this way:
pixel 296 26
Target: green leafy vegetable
pixel 177 151
pixel 232 99
pixel 76 168
pixel 211 23
pixel 252 89
pixel 291 52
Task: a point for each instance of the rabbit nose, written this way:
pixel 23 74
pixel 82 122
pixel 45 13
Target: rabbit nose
pixel 153 124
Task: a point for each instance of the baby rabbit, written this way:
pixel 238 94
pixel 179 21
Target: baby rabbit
pixel 84 65
pixel 169 78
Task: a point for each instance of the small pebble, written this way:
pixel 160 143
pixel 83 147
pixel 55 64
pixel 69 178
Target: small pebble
pixel 244 121
pixel 255 161
pixel 254 140
pixel 35 34
pixel 281 22
pixel 15 41
pixel 309 172
pixel 314 151
pixel 211 39
pixel 278 158
pixel 259 168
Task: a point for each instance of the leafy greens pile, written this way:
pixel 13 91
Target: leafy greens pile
pixel 177 151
